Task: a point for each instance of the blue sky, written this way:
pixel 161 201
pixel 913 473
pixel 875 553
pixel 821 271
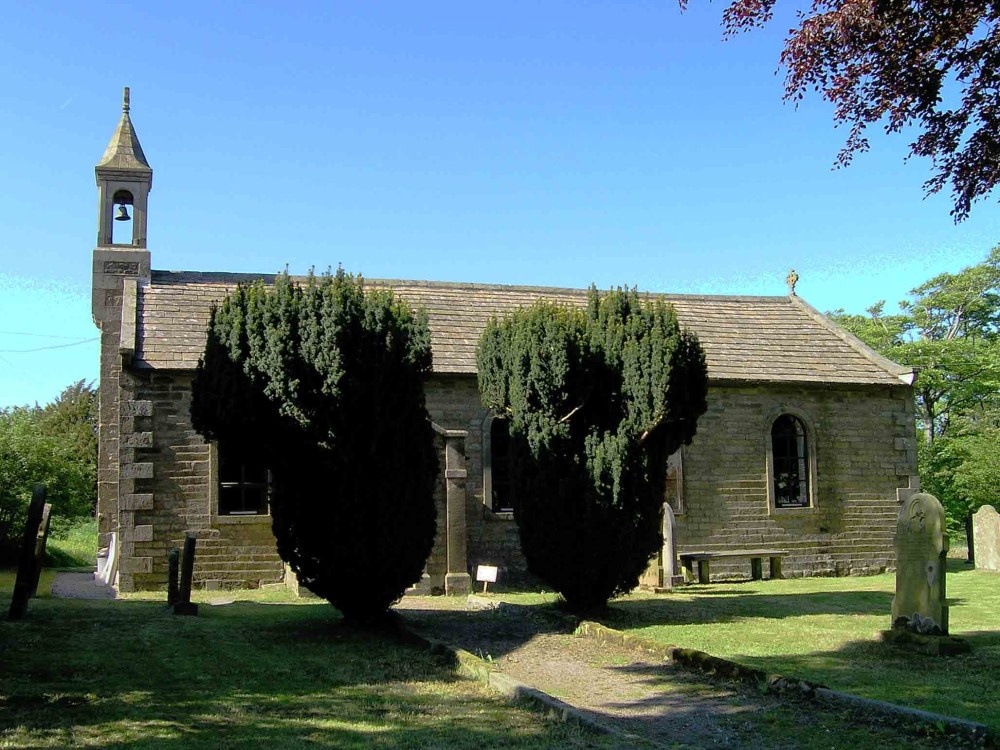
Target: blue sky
pixel 552 143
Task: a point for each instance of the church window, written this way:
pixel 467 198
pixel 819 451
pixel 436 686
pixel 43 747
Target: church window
pixel 243 486
pixel 497 487
pixel 790 463
pixel 674 491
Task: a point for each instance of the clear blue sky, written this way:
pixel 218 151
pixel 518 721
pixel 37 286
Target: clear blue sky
pixel 551 143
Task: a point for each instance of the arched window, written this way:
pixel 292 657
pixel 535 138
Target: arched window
pixel 790 462
pixel 121 226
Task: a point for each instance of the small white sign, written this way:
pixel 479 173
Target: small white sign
pixel 486 573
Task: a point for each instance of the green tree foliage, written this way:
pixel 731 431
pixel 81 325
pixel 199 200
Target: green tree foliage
pixel 596 400
pixel 949 331
pixel 927 67
pixel 323 383
pixel 55 445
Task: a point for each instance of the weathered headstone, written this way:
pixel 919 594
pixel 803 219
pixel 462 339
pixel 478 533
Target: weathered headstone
pixel 184 605
pixel 921 549
pixel 28 562
pixel 671 569
pixel 986 538
pixel 662 572
pixel 41 539
pixel 173 576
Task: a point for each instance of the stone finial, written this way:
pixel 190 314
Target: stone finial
pixel 125 102
pixel 791 279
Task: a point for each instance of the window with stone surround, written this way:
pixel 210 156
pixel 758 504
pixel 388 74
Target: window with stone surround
pixel 498 492
pixel 243 485
pixel 790 463
pixel 673 493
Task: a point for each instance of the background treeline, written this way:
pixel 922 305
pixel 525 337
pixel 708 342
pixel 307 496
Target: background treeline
pixel 55 445
pixel 948 328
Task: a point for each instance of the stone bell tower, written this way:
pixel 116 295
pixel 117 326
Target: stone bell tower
pixel 120 268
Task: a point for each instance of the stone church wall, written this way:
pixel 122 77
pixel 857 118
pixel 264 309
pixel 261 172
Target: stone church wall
pixel 865 449
pixel 862 438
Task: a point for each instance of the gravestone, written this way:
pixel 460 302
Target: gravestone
pixel 173 576
pixel 184 605
pixel 41 539
pixel 26 568
pixel 921 548
pixel 970 552
pixel 661 574
pixel 986 538
pixel 670 569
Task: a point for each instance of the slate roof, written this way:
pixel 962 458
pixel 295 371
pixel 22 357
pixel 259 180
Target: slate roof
pixel 753 339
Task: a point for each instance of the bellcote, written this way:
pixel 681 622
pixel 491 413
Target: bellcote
pixel 124 179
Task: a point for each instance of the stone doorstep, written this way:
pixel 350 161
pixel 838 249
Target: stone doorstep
pixel 776 684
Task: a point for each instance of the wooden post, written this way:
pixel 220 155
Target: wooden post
pixel 184 605
pixel 40 540
pixel 173 572
pixel 27 563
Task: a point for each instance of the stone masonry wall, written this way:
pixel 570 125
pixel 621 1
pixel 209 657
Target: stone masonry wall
pixel 232 551
pixel 865 449
pixel 453 403
pixel 863 440
pixel 117 272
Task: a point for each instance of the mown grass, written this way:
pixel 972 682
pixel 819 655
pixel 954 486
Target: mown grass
pixel 827 630
pixel 72 544
pixel 128 674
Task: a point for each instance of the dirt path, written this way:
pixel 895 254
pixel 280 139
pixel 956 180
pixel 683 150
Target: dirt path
pixel 617 686
pixel 66 585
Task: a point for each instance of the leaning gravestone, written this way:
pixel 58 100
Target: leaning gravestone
pixel 184 605
pixel 921 548
pixel 27 567
pixel 41 539
pixel 986 538
pixel 173 577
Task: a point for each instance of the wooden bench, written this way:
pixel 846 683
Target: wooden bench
pixel 688 559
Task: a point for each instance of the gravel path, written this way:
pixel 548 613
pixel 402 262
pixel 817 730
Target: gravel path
pixel 80 586
pixel 617 686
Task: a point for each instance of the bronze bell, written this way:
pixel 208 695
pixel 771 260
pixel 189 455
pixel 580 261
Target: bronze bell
pixel 122 213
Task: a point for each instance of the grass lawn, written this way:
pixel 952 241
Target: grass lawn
pixel 254 673
pixel 826 630
pixel 72 545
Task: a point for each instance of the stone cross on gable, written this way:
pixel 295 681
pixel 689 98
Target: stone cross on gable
pixel 792 279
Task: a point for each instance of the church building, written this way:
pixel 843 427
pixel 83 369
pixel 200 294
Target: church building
pixel 808 443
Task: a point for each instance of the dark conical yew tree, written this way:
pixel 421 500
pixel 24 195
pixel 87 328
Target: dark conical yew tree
pixel 323 384
pixel 596 400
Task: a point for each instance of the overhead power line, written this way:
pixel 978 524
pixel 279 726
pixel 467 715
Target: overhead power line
pixel 46 348
pixel 39 335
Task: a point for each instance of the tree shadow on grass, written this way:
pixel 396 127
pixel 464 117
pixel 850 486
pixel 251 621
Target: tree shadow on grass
pixel 488 632
pixel 707 605
pixel 129 674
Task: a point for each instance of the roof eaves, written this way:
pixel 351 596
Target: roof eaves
pixel 901 372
